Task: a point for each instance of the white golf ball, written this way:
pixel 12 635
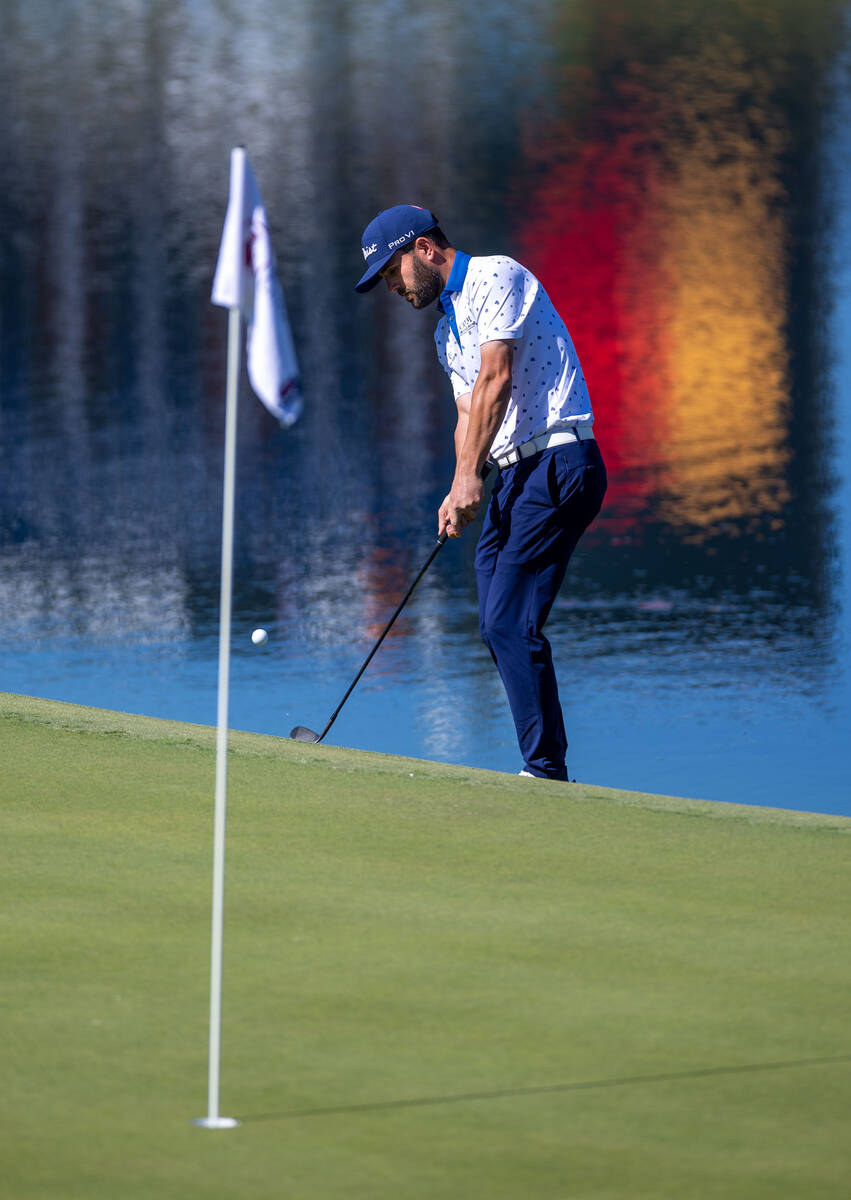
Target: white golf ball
pixel 259 636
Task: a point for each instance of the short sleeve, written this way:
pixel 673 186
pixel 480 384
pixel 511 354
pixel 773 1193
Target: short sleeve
pixel 502 300
pixel 460 386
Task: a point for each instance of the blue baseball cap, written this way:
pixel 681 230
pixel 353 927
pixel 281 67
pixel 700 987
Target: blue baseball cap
pixel 388 232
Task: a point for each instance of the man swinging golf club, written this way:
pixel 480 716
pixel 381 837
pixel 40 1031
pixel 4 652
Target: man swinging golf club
pixel 522 402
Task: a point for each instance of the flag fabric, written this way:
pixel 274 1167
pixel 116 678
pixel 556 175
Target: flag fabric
pixel 246 278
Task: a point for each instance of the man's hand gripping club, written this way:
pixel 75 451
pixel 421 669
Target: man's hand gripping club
pixel 461 505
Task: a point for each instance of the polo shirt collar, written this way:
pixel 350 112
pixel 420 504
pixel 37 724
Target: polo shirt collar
pixel 454 283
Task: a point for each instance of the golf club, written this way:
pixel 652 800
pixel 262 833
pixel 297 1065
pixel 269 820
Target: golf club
pixel 301 733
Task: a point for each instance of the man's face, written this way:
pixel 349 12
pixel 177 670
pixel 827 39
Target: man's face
pixel 412 279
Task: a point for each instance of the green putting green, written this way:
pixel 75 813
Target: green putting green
pixel 438 982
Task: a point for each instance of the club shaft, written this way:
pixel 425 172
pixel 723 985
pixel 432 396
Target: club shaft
pixel 440 541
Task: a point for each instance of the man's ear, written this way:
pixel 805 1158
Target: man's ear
pixel 425 247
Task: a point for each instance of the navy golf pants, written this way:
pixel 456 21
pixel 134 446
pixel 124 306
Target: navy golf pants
pixel 537 512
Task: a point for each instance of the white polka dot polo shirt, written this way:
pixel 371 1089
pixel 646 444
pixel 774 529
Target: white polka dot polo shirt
pixel 496 299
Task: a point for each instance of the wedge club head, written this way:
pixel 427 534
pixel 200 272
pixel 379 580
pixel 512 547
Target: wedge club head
pixel 302 734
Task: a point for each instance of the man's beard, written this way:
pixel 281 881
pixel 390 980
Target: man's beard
pixel 428 284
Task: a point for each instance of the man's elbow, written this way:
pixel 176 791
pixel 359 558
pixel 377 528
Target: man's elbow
pixel 496 383
pixel 496 372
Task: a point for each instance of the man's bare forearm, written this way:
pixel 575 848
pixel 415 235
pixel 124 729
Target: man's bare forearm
pixel 487 409
pixel 461 432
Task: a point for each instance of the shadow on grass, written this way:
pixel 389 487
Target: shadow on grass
pixel 548 1089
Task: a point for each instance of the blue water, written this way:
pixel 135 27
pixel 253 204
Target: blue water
pixel 702 637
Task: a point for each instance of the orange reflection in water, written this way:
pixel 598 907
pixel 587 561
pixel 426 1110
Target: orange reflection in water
pixel 728 406
pixel 661 242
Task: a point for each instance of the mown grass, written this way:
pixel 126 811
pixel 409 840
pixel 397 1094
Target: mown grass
pixel 439 982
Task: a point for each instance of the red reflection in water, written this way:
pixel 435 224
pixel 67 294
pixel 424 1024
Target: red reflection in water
pixel 592 238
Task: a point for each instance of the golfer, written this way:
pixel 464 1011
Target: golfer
pixel 522 404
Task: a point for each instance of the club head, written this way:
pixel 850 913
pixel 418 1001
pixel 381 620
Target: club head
pixel 302 734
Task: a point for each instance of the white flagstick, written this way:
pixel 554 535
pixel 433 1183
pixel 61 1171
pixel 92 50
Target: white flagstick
pixel 212 1119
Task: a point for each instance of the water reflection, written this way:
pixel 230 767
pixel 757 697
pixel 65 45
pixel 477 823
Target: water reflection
pixel 660 172
pixel 666 235
pixel 725 249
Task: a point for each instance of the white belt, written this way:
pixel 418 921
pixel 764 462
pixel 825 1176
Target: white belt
pixel 577 433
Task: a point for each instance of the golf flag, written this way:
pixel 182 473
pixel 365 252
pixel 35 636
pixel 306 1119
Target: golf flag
pixel 246 284
pixel 246 279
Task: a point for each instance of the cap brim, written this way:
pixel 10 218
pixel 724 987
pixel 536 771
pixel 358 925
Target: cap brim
pixel 370 277
pixel 369 281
